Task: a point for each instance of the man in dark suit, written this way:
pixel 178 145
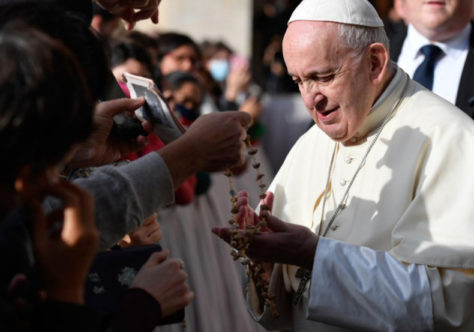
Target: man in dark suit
pixel 437 47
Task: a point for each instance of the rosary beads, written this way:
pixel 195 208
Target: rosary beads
pixel 240 238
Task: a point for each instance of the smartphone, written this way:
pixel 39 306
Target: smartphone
pixel 156 110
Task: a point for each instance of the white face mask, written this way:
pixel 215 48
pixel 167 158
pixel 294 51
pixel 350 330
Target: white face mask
pixel 219 69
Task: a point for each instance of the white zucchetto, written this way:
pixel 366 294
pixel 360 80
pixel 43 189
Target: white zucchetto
pixel 355 12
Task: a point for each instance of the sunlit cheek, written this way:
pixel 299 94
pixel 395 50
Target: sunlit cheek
pixel 168 65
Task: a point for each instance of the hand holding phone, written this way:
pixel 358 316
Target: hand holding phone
pixel 155 110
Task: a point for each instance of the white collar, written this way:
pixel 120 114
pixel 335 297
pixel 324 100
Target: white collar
pixel 453 47
pixel 384 105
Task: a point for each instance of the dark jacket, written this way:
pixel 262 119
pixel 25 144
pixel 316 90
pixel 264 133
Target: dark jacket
pixel 397 33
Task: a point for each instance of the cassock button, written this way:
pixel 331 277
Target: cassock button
pixel 343 182
pixel 348 159
pixel 334 227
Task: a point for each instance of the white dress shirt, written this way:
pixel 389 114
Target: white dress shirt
pixel 448 69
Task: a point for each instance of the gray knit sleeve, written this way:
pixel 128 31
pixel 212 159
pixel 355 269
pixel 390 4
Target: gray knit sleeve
pixel 124 196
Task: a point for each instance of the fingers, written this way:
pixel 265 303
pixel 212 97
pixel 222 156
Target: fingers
pixel 155 236
pixel 156 258
pixel 241 217
pixel 154 233
pixel 127 15
pixel 222 232
pixel 246 216
pixel 148 233
pixel 275 224
pixel 144 14
pixel 188 297
pixel 150 220
pixel 154 17
pixel 147 126
pixel 268 201
pixel 244 119
pixel 116 106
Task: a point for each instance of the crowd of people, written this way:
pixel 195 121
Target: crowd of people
pixel 368 220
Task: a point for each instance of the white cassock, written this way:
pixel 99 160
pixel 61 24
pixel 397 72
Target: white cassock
pixel 400 254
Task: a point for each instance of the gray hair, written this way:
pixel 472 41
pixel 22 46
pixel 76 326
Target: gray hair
pixel 358 38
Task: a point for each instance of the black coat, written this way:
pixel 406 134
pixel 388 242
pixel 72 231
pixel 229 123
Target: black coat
pixel 465 97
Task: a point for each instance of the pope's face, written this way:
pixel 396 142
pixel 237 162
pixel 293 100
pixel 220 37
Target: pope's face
pixel 333 80
pixel 438 20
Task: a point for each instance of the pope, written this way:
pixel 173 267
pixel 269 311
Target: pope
pixel 373 204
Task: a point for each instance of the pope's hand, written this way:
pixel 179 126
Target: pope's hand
pixel 247 217
pixel 279 242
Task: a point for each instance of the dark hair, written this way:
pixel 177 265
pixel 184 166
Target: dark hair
pixel 71 30
pixel 176 79
pixel 122 50
pixel 45 105
pixel 170 41
pixel 209 48
pixel 142 39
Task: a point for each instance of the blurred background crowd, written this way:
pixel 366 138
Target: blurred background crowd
pixel 207 57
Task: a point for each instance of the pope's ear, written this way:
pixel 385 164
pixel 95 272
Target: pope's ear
pixel 379 59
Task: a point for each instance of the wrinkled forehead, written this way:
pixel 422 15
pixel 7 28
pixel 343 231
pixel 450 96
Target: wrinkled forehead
pixel 317 33
pixel 312 39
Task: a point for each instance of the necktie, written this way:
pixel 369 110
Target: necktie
pixel 424 72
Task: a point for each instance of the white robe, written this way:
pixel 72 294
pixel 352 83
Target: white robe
pixel 213 275
pixel 412 199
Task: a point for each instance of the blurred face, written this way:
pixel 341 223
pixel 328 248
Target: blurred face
pixel 438 20
pixel 334 82
pixel 183 58
pixel 131 66
pixel 189 95
pixel 221 55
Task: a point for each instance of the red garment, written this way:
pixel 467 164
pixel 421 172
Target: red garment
pixel 185 193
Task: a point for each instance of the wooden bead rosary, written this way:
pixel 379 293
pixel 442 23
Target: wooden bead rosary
pixel 240 238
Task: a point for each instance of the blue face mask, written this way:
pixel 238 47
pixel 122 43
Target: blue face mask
pixel 219 69
pixel 186 113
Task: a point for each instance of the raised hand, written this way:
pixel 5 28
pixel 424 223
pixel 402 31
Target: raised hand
pixel 65 242
pixel 253 107
pixel 148 233
pixel 237 81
